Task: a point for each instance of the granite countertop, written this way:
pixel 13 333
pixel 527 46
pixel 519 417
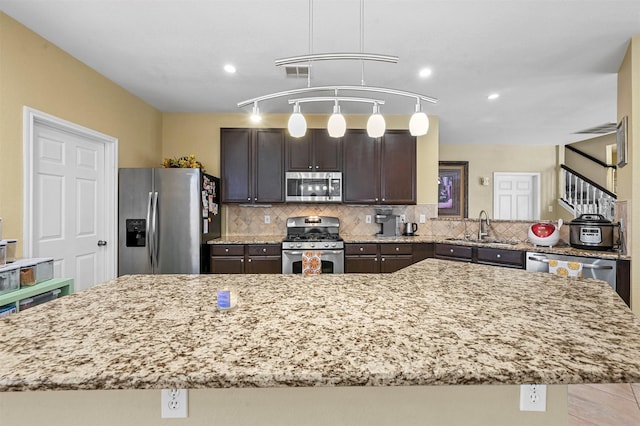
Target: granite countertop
pixel 562 248
pixel 433 323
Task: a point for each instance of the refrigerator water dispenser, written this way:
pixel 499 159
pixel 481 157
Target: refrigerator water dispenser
pixel 136 232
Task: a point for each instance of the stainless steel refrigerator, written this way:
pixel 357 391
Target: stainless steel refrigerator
pixel 166 217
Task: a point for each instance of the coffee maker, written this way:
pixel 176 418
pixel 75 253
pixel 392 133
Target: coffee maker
pixel 388 222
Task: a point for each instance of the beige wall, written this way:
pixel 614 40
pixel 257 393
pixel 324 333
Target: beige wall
pixel 629 105
pixel 199 134
pixel 486 159
pixel 37 74
pixel 597 148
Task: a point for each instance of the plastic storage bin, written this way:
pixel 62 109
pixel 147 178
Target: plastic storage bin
pixel 27 272
pixel 3 252
pixel 9 278
pixel 26 303
pixel 44 269
pixel 39 299
pixel 7 310
pixel 11 250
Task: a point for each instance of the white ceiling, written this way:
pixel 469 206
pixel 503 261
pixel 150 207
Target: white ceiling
pixel 553 62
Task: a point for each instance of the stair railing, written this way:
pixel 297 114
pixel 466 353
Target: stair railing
pixel 583 195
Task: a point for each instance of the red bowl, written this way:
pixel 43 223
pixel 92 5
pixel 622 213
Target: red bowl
pixel 542 230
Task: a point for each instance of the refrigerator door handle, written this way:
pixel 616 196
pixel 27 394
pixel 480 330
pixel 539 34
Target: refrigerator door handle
pixel 149 240
pixel 155 230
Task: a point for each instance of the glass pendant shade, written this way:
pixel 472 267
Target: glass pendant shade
pixel 419 124
pixel 297 124
pixel 376 124
pixel 337 125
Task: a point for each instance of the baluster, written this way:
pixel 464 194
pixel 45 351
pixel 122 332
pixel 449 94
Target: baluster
pixel 587 202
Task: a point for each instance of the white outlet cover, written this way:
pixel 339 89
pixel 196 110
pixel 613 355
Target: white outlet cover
pixel 423 218
pixel 267 218
pixel 533 397
pixel 367 218
pixel 174 403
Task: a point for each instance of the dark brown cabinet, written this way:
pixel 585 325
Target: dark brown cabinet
pixel 246 259
pixel 314 152
pixel 454 252
pixel 264 259
pixel 379 171
pixel 377 258
pixel 361 258
pixel 227 259
pixel 252 165
pixel 500 257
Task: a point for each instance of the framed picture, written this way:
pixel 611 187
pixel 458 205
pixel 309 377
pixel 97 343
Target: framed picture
pixel 621 139
pixel 453 188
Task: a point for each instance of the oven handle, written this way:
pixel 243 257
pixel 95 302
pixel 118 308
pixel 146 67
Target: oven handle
pixel 584 265
pixel 293 253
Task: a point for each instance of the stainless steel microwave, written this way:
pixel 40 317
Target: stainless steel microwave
pixel 314 187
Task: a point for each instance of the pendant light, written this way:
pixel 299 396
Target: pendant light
pixel 376 124
pixel 419 123
pixel 337 126
pixel 297 124
pixel 255 115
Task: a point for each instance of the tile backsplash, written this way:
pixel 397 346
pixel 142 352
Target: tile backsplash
pixel 249 220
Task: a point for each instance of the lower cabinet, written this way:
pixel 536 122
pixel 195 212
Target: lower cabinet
pixel 246 259
pixel 377 258
pixel 485 255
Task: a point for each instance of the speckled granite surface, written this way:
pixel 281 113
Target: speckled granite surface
pixel 436 322
pixel 564 249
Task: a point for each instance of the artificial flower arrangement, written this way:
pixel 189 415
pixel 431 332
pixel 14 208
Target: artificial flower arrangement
pixel 186 162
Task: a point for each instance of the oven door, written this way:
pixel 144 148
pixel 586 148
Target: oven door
pixel 332 261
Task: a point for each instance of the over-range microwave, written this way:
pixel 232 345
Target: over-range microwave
pixel 314 187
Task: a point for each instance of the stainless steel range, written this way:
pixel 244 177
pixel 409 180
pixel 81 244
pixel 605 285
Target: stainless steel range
pixel 313 233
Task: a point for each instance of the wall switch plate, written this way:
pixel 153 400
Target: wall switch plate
pixel 267 218
pixel 367 218
pixel 423 219
pixel 550 209
pixel 533 397
pixel 175 403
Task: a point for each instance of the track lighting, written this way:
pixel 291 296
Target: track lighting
pixel 297 124
pixel 337 126
pixel 376 124
pixel 419 123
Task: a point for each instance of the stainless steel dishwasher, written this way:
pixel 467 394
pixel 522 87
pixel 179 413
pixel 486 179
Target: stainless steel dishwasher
pixel 599 269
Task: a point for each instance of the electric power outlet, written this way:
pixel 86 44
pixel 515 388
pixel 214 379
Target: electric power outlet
pixel 423 218
pixel 267 218
pixel 367 218
pixel 403 218
pixel 174 403
pixel 533 397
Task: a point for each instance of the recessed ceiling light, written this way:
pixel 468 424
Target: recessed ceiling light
pixel 493 96
pixel 230 68
pixel 425 72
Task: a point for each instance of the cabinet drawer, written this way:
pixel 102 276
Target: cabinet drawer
pixel 227 250
pixel 450 250
pixel 264 249
pixel 493 255
pixel 396 248
pixel 361 249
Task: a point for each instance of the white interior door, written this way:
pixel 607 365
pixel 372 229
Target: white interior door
pixel 516 196
pixel 72 216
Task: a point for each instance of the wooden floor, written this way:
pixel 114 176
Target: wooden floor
pixel 615 404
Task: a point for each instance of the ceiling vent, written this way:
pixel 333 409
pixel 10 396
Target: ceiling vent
pixel 297 71
pixel 599 130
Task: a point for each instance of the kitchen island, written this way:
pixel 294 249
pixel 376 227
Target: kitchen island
pixel 432 324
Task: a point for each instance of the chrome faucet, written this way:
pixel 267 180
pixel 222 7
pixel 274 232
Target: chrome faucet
pixel 486 218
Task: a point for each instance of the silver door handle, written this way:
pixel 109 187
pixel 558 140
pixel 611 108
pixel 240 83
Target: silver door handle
pixel 155 229
pixel 102 243
pixel 148 229
pixel 584 265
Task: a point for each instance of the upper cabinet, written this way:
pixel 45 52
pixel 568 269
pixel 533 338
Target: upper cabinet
pixel 252 165
pixel 379 171
pixel 314 152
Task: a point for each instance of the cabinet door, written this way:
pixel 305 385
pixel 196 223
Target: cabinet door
pixel 264 265
pixel 269 170
pixel 361 265
pixel 390 264
pixel 235 159
pixel 361 179
pixel 327 152
pixel 454 252
pixel 299 154
pixel 501 257
pixel 398 165
pixel 227 264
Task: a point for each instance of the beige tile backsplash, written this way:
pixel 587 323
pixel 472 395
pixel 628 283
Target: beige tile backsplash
pixel 245 220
